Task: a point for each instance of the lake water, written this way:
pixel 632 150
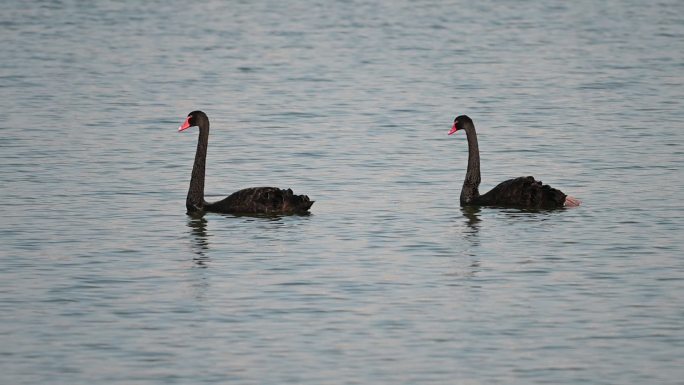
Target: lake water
pixel 105 280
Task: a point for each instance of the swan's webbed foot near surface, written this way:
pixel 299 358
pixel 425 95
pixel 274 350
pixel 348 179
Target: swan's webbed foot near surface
pixel 571 202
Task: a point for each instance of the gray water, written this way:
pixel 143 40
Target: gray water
pixel 104 279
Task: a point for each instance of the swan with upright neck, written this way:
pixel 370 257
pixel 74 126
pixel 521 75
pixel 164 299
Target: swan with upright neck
pixel 521 192
pixel 254 200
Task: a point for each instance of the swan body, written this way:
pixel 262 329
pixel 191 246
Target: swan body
pixel 253 200
pixel 521 192
pixel 266 200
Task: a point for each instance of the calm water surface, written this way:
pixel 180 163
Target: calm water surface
pixel 104 279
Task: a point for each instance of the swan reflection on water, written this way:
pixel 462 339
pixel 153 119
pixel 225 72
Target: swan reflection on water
pixel 472 215
pixel 468 265
pixel 199 240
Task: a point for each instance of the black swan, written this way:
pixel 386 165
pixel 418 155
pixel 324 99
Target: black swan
pixel 522 192
pixel 254 200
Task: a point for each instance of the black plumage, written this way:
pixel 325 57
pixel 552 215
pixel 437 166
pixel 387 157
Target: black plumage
pixel 522 192
pixel 254 200
pixel 262 200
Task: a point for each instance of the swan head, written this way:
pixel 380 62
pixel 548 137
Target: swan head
pixel 460 123
pixel 195 118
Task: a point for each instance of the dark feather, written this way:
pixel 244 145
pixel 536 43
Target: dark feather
pixel 524 191
pixel 265 200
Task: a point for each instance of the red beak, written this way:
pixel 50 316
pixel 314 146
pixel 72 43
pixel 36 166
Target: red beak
pixel 185 125
pixel 453 129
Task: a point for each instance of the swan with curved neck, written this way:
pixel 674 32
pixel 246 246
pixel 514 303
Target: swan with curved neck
pixel 254 200
pixel 522 192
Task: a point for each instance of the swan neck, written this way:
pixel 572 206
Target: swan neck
pixel 470 192
pixel 195 200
